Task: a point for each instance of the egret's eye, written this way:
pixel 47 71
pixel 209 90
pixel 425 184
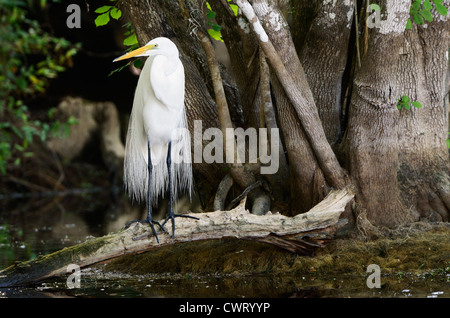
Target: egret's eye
pixel 156 45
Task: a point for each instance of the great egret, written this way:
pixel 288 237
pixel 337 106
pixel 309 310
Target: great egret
pixel 157 151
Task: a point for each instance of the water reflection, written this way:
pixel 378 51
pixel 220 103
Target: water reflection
pixel 35 226
pixel 97 283
pixel 40 225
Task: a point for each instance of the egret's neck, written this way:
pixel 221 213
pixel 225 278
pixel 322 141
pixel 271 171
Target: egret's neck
pixel 173 63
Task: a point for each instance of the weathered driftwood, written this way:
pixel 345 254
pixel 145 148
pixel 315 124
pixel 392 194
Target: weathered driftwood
pixel 301 234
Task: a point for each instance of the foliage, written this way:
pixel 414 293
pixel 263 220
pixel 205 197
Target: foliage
pixel 105 12
pixel 420 11
pixel 29 59
pixel 214 31
pixel 406 103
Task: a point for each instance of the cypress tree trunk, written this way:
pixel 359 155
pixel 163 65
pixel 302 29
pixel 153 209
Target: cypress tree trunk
pixel 396 159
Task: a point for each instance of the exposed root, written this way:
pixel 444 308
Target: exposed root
pixel 365 228
pixel 222 192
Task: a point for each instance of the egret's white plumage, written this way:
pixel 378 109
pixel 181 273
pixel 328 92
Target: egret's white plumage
pixel 158 116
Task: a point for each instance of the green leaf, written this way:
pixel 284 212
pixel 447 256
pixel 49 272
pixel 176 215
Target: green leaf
pixel 130 40
pixel 115 13
pixel 417 104
pixel 72 120
pixel 103 9
pixel 211 14
pixel 427 15
pixel 19 147
pixel 427 5
pixel 418 19
pixel 441 9
pixel 138 63
pixel 416 5
pixel 102 19
pixel 448 143
pixel 235 9
pixel 216 27
pixel 408 24
pixel 216 35
pixel 405 99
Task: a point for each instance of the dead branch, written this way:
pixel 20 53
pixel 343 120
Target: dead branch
pixel 277 229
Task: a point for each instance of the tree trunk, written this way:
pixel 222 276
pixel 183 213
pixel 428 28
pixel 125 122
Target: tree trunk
pixel 391 150
pixel 324 54
pixel 397 160
pixel 424 158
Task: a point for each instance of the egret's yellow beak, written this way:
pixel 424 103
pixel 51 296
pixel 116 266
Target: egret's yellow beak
pixel 136 52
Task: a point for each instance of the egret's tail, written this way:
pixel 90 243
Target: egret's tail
pixel 136 167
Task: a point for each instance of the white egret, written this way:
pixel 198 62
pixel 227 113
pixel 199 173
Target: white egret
pixel 157 151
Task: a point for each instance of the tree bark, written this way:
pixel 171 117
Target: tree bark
pixel 391 152
pixel 324 55
pixel 424 158
pixel 302 162
pixel 372 131
pixel 300 96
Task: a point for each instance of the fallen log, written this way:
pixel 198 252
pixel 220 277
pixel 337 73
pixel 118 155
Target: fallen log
pixel 301 234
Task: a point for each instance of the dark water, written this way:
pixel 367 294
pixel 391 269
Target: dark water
pixel 30 227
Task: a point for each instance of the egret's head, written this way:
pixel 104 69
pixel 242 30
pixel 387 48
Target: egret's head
pixel 156 46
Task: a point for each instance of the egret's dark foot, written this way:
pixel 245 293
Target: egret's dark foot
pixel 172 216
pixel 150 222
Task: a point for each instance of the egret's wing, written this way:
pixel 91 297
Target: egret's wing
pixel 170 91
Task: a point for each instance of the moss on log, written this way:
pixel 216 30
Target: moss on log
pixel 301 234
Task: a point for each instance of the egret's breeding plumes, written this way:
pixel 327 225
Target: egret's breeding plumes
pixel 158 152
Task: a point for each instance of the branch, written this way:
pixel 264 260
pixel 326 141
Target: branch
pixel 237 170
pixel 222 192
pixel 268 119
pixel 308 115
pixel 277 229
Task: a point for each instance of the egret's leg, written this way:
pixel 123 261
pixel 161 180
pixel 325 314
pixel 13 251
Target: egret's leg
pixel 171 215
pixel 149 218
